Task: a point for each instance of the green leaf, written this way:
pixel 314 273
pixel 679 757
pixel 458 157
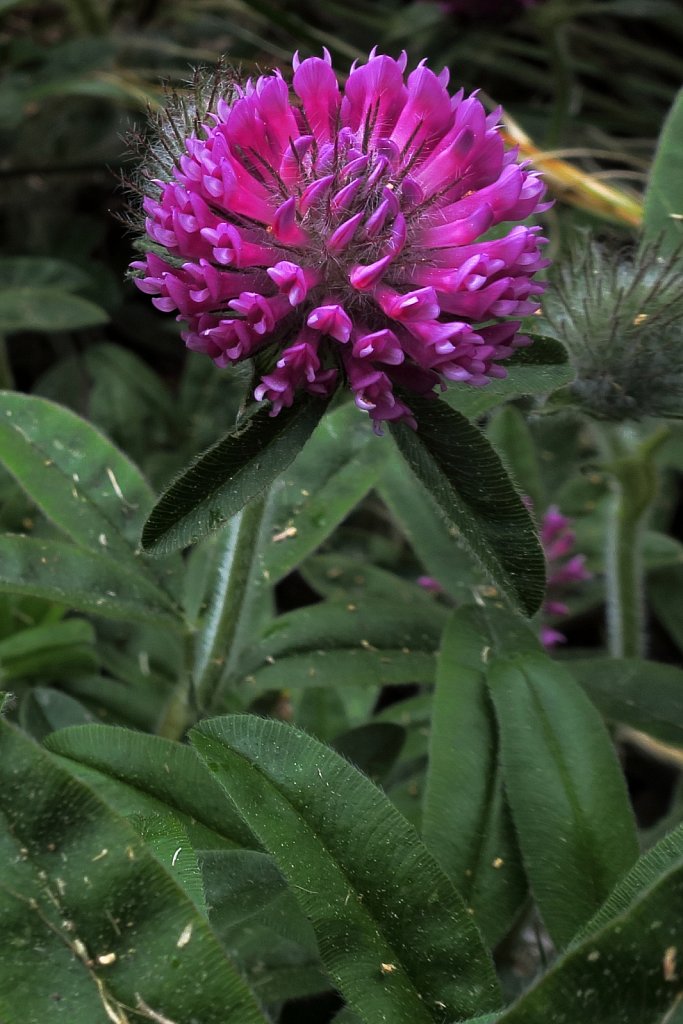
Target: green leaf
pixel 46 309
pixel 41 271
pixel 663 215
pixel 342 578
pixel 567 794
pixel 51 651
pixel 94 916
pixel 331 625
pixel 343 668
pixel 170 843
pixel 436 543
pixel 43 710
pixel 466 821
pixel 326 481
pixel 646 695
pixel 80 579
pixel 258 921
pixel 74 474
pixel 509 434
pixel 392 932
pixel 347 643
pixel 232 472
pixel 468 483
pixel 624 968
pixel 666 854
pixel 372 747
pixel 141 774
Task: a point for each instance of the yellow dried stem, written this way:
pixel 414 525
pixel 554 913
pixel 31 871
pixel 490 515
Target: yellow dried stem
pixel 573 185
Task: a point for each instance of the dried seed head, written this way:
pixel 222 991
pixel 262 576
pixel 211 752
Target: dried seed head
pixel 620 316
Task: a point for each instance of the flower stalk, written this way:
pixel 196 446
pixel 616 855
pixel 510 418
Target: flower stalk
pixel 634 488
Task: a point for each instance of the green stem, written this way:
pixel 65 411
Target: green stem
pixel 234 574
pixel 625 576
pixel 634 489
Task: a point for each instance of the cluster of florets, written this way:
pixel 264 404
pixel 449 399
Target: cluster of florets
pixel 345 235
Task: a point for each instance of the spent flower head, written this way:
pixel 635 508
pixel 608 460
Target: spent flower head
pixel 620 316
pixel 342 234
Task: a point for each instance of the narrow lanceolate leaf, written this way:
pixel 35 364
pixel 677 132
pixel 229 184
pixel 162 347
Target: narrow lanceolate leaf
pixel 646 695
pixel 663 216
pixel 366 642
pixel 260 923
pixel 46 309
pixel 333 626
pixel 226 477
pixel 625 966
pixel 100 927
pixel 80 579
pixel 664 856
pixel 77 477
pixel 434 539
pixel 393 933
pixel 332 474
pixel 568 798
pixel 466 823
pixel 42 710
pixel 141 774
pixel 510 435
pixel 472 490
pixel 349 667
pixel 52 651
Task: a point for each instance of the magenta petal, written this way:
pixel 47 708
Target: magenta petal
pixel 374 97
pixel 332 320
pixel 343 235
pixel 363 278
pixel 315 84
pixel 285 225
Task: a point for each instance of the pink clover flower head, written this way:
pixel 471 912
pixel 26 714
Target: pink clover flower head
pixel 565 570
pixel 342 232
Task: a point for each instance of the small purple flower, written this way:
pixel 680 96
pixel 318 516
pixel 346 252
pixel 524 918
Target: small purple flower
pixel 344 234
pixel 565 570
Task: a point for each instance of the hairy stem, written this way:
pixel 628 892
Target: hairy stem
pixel 624 564
pixel 634 487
